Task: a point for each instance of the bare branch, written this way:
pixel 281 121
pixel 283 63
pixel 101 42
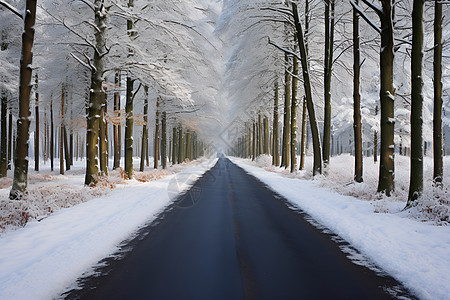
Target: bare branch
pixel 80 61
pixel 376 8
pixel 283 49
pixel 11 8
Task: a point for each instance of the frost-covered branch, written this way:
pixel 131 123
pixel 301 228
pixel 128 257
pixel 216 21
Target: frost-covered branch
pixel 375 8
pixel 283 49
pixel 11 8
pixel 89 66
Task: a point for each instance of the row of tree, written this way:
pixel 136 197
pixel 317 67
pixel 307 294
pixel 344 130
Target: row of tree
pixel 294 45
pixel 80 44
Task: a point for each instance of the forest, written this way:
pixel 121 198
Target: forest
pixel 165 82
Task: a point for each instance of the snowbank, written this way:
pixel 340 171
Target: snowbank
pixel 42 258
pixel 415 253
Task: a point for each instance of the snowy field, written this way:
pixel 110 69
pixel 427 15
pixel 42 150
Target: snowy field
pixel 415 252
pixel 46 256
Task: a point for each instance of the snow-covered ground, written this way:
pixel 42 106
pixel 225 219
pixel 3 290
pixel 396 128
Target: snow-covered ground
pixel 415 253
pixel 42 258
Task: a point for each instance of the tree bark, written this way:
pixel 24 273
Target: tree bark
pixel 266 135
pixel 61 135
pixel 66 149
pixel 52 137
pixel 156 146
pixel 180 144
pixel 116 127
pixel 386 175
pixel 4 138
pixel 294 116
pixel 103 141
pixel 328 63
pixel 416 170
pixel 276 132
pixel 317 168
pixel 96 97
pixel 357 125
pixel 438 170
pixel 10 139
pixel 20 181
pixel 285 159
pixel 304 135
pixel 164 141
pixel 36 132
pixel 174 145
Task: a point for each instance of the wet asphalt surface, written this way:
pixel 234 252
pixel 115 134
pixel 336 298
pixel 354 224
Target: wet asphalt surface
pixel 230 237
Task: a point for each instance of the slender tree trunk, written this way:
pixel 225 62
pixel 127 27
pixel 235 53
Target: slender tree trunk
pixel 96 97
pixel 174 145
pixel 357 125
pixel 20 181
pixel 294 116
pixel 129 129
pixel 10 139
pixel 328 64
pixel 188 145
pixel 416 170
pixel 304 135
pixel 116 127
pixel 61 134
pixel 52 137
pixel 285 159
pixel 266 135
pixel 156 147
pixel 180 144
pixel 36 132
pixel 276 132
pixel 66 149
pixel 45 148
pixel 438 170
pixel 144 130
pixel 103 141
pixel 317 168
pixel 386 175
pixel 4 138
pixel 260 135
pixel 164 141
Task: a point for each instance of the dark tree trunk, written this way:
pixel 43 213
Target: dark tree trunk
pixel 52 137
pixel 36 132
pixel 66 149
pixel 438 170
pixel 174 145
pixel 103 142
pixel 357 125
pixel 61 135
pixel 96 97
pixel 4 138
pixel 386 176
pixel 10 139
pixel 180 144
pixel 317 168
pixel 163 141
pixel 156 144
pixel 20 181
pixel 129 129
pixel 328 63
pixel 416 170
pixel 285 159
pixel 294 116
pixel 144 131
pixel 276 132
pixel 116 127
pixel 304 135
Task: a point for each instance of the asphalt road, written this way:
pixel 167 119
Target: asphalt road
pixel 233 238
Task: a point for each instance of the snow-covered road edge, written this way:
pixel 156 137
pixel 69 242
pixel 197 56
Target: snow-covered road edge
pixel 416 254
pixel 36 262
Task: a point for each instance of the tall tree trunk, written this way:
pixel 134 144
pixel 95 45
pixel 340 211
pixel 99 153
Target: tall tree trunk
pixel 188 144
pixel 4 138
pixel 317 168
pixel 156 145
pixel 276 132
pixel 129 129
pixel 144 130
pixel 52 137
pixel 294 116
pixel 416 170
pixel 260 135
pixel 10 139
pixel 103 141
pixel 328 64
pixel 96 97
pixel 61 135
pixel 357 125
pixel 164 141
pixel 174 145
pixel 116 127
pixel 180 144
pixel 266 135
pixel 66 149
pixel 20 181
pixel 36 132
pixel 287 115
pixel 386 175
pixel 438 170
pixel 304 135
